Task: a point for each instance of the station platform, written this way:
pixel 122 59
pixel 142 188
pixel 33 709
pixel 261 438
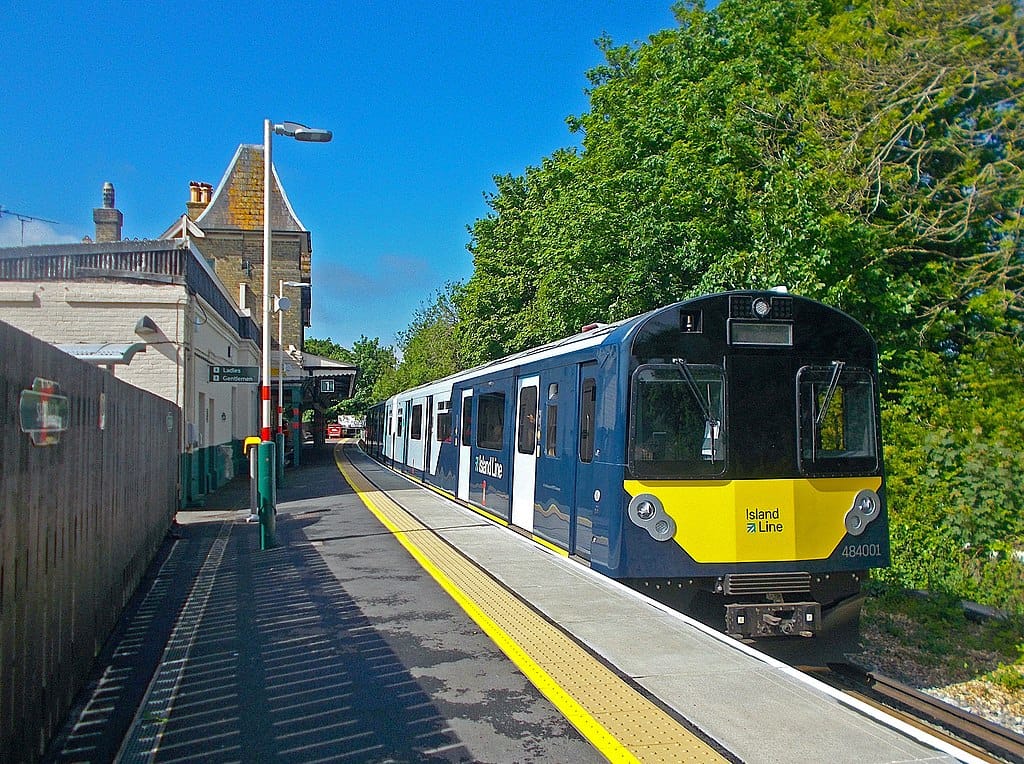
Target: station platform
pixel 391 624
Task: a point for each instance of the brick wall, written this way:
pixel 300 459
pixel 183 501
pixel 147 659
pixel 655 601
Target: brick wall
pixel 231 251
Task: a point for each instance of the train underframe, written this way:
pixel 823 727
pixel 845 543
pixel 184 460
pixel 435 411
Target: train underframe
pixel 807 620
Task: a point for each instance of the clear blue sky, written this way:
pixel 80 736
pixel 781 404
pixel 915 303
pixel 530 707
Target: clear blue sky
pixel 427 101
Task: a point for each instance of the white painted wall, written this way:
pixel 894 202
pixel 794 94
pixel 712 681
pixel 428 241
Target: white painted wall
pixel 175 366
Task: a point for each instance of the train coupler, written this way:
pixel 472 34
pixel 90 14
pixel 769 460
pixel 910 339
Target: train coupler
pixel 774 619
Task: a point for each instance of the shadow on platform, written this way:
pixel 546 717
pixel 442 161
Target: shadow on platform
pixel 233 654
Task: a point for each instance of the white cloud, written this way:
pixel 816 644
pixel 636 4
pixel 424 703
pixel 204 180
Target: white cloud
pixel 12 231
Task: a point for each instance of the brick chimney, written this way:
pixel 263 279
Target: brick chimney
pixel 198 198
pixel 108 218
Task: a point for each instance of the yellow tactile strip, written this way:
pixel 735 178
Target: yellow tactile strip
pixel 617 720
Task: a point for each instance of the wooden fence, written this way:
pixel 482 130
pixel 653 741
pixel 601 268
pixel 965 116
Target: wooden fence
pixel 80 520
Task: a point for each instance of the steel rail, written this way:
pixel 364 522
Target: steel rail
pixel 968 731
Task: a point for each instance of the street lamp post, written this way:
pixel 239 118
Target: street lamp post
pixel 281 304
pixel 266 485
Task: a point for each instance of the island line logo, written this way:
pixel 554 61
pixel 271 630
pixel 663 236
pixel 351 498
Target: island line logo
pixel 763 521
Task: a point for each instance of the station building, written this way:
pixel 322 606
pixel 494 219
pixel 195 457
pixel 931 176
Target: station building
pixel 177 315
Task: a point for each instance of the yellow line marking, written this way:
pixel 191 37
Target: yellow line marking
pixel 545 543
pixel 618 721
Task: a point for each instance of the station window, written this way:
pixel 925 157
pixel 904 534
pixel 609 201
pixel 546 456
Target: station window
pixel 588 409
pixel 527 442
pixel 416 423
pixel 490 431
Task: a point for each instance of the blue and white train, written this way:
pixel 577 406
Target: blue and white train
pixel 721 453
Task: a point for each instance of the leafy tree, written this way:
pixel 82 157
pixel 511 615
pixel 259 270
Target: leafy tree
pixel 918 105
pixel 327 348
pixel 373 360
pixel 864 153
pixel 429 345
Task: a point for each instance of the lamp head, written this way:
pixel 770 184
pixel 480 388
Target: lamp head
pixel 302 133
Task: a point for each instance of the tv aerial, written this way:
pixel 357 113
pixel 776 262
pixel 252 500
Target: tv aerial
pixel 24 219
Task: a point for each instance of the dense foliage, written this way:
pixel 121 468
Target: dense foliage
pixel 866 154
pixel 429 346
pixel 374 361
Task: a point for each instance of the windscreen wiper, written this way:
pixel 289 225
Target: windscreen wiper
pixel 709 448
pixel 691 383
pixel 837 369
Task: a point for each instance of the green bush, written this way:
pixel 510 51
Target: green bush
pixel 953 430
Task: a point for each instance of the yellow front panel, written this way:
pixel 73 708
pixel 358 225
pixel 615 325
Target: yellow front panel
pixel 757 520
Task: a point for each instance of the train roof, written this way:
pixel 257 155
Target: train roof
pixel 596 334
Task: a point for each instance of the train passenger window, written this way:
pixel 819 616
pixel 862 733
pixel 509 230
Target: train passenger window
pixel 676 421
pixel 836 420
pixel 444 422
pixel 588 409
pixel 551 432
pixel 527 442
pixel 398 432
pixel 416 422
pixel 490 431
pixel 444 427
pixel 467 420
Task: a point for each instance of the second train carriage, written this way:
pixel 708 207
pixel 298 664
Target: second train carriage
pixel 722 453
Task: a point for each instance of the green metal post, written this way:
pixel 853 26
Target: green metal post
pixel 266 494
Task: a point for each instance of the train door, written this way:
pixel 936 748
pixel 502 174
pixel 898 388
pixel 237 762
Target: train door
pixel 402 435
pixel 524 455
pixel 391 438
pixel 428 435
pixel 587 488
pixel 465 436
pixel 555 492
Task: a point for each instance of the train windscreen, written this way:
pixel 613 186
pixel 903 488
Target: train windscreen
pixel 676 420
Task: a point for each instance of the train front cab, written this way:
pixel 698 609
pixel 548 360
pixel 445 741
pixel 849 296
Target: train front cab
pixel 754 483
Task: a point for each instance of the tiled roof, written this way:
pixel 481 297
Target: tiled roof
pixel 237 204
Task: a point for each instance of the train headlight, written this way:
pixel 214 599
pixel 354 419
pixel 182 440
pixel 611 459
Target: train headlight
pixel 648 512
pixel 761 307
pixel 866 508
pixel 645 510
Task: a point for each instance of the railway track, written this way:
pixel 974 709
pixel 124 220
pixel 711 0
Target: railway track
pixel 969 732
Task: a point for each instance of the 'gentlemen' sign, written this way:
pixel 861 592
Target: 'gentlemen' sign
pixel 234 373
